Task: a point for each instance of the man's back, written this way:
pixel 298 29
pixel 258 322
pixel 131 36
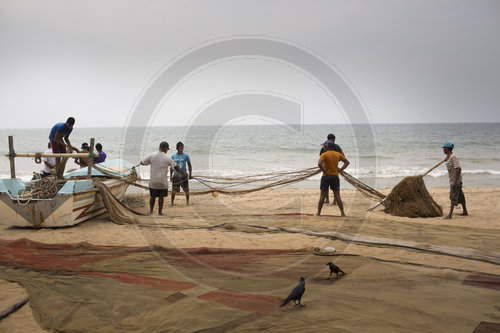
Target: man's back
pixel 331 160
pixel 59 128
pixel 159 162
pixel 101 157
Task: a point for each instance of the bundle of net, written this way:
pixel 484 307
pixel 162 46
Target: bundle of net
pixel 410 198
pixel 46 188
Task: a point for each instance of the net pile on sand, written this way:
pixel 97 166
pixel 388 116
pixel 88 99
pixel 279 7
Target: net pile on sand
pixel 410 198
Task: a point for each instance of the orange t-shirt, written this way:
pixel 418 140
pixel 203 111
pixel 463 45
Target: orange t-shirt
pixel 331 160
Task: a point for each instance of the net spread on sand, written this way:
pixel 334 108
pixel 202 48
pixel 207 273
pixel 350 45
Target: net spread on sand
pixel 85 287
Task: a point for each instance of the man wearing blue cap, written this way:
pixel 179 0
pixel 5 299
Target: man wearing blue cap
pixel 455 175
pixel 328 163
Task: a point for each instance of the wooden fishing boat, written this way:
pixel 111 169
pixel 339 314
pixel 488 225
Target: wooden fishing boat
pixel 78 200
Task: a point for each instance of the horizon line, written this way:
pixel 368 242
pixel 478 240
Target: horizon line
pixel 264 124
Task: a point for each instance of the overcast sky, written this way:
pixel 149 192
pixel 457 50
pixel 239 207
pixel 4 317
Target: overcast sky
pixel 407 61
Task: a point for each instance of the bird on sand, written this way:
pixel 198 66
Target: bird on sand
pixel 334 269
pixel 296 294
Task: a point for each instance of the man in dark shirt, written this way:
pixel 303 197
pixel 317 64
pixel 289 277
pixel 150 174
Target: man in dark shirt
pixel 59 137
pixel 101 156
pixel 336 147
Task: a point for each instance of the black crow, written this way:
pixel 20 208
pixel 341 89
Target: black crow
pixel 334 269
pixel 296 293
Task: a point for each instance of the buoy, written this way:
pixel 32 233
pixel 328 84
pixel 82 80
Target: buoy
pixel 330 249
pixel 215 194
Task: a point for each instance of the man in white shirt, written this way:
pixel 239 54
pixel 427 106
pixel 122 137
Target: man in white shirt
pixel 455 175
pixel 49 163
pixel 158 180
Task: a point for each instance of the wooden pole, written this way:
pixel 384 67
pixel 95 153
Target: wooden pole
pixel 434 167
pixel 50 155
pixel 378 204
pixel 11 157
pixel 90 160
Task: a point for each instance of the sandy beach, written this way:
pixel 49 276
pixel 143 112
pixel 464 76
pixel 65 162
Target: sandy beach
pixel 402 274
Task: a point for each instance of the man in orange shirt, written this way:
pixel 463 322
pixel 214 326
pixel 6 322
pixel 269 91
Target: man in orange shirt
pixel 328 163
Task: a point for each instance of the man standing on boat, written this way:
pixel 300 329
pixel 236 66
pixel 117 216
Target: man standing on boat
pixel 158 179
pixel 59 137
pixel 328 163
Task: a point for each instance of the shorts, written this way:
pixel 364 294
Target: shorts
pixel 457 194
pixel 178 181
pixel 57 148
pixel 331 181
pixel 154 193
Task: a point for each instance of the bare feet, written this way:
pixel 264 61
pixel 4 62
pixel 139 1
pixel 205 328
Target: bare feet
pixel 343 215
pixel 464 214
pixel 448 217
pixel 317 214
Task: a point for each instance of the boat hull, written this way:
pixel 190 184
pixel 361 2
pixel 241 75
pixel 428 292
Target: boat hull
pixel 66 209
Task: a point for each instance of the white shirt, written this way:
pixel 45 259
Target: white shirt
pixel 50 160
pixel 159 161
pixel 452 165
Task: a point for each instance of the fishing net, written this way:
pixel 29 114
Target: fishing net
pixel 119 212
pixel 410 198
pixel 366 190
pixel 90 288
pixel 252 183
pixel 123 214
pixel 45 188
pixel 84 287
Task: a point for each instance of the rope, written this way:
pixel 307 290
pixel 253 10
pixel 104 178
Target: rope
pixel 45 188
pixel 38 158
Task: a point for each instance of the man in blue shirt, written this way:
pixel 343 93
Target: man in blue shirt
pixel 59 137
pixel 101 156
pixel 177 179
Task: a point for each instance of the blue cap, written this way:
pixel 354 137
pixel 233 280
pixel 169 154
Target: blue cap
pixel 448 144
pixel 328 143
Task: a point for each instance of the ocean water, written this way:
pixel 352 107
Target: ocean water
pixel 381 155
